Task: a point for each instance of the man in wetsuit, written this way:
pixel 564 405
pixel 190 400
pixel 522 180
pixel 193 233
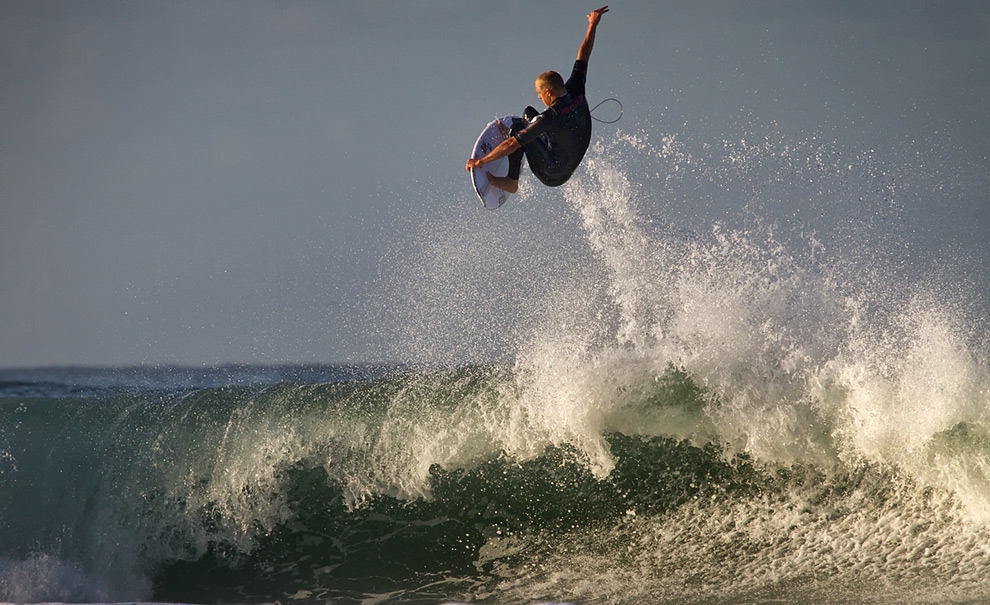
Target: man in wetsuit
pixel 554 141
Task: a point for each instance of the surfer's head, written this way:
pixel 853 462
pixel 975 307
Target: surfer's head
pixel 550 86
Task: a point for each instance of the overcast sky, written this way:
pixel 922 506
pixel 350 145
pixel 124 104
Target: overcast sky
pixel 217 181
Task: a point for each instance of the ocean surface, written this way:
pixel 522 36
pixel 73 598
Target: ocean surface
pixel 767 409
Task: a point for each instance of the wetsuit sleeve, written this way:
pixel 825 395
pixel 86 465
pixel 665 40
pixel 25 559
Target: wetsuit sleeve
pixel 533 131
pixel 579 75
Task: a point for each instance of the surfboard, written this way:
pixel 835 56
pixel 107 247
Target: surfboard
pixel 491 197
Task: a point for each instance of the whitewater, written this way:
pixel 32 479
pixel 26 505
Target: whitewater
pixel 626 403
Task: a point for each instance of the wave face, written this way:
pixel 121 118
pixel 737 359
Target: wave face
pixel 608 409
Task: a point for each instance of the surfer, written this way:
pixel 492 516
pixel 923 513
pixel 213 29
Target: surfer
pixel 556 140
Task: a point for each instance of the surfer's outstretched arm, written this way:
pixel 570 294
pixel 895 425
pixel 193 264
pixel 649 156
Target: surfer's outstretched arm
pixel 502 150
pixel 584 52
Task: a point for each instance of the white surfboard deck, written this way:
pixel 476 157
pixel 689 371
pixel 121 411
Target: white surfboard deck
pixel 491 136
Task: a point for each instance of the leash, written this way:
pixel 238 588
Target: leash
pixel 621 109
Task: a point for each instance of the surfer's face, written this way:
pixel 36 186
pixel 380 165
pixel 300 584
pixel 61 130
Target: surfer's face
pixel 545 95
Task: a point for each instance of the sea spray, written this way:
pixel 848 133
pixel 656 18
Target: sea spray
pixel 760 321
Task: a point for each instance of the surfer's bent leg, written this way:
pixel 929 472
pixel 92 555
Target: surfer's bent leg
pixel 515 160
pixel 542 162
pixel 508 182
pixel 545 161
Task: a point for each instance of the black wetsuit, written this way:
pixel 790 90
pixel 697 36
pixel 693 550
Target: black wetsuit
pixel 556 140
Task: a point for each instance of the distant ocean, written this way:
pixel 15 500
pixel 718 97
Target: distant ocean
pixel 739 415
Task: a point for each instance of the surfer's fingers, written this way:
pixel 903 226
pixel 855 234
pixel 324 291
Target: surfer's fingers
pixel 597 13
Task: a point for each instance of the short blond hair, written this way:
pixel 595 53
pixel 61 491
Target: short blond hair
pixel 549 80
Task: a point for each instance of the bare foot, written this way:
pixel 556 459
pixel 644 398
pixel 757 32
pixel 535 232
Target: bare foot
pixel 503 182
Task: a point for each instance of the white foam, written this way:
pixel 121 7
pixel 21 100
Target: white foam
pixel 44 578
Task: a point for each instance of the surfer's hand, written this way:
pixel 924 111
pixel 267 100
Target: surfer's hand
pixel 473 163
pixel 596 15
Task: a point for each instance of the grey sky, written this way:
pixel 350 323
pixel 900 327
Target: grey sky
pixel 207 182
